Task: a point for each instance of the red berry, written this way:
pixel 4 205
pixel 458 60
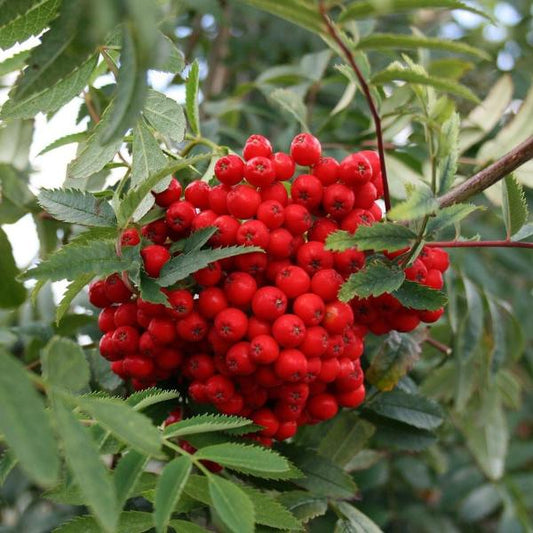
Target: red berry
pixel 434 279
pixel 138 367
pixel 355 169
pixel 365 195
pixel 256 327
pixel 226 234
pixel 126 339
pixel 243 201
pixel 276 191
pixel 256 145
pixel 351 399
pixel 310 308
pixel 280 244
pixel 181 301
pixel 431 316
pixel 253 233
pixel 130 237
pixel 291 365
pixel 322 406
pixel 259 171
pixel 219 389
pixel 106 319
pixel 326 283
pixel 197 193
pixel 329 370
pixel 373 158
pixel 229 169
pixel 116 290
pixel 288 330
pixel 306 149
pixel 417 271
pixel 322 227
pixel 233 406
pixel 337 317
pixel 192 328
pixel 163 330
pixel 271 214
pixel 239 359
pixel 156 231
pixel 170 195
pixel 326 170
pixel 154 257
pixel 203 220
pixel 312 257
pixel 349 261
pixel 253 263
pixel 293 281
pixel 218 199
pixel 338 200
pixel 211 301
pixel 179 216
pixel 97 294
pixel 231 324
pixel 316 342
pixel 199 367
pixel 197 391
pixel 264 349
pixel 210 275
pixel 265 418
pixel 240 288
pixel 404 320
pixel 286 430
pixel 107 347
pixel 297 219
pixel 356 218
pixel 169 359
pixel 307 190
pixel 283 166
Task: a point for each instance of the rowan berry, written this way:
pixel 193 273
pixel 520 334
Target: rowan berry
pixel 310 308
pixel 326 283
pixel 97 294
pixel 229 169
pixel 305 149
pixel 253 233
pixel 297 219
pixel 130 237
pixel 264 349
pixel 271 214
pixel 197 193
pixel 259 171
pixel 312 257
pixel 138 367
pixel 326 170
pixel 265 417
pixel 170 195
pixel 322 406
pixel 181 301
pixel 283 166
pixel 231 324
pixel 256 145
pixel 219 389
pixel 240 288
pixel 243 201
pixel 291 365
pixel 179 216
pixel 275 191
pixel 162 330
pixel 288 330
pixel 355 169
pixel 307 190
pixel 169 359
pixel 217 197
pixel 269 303
pixel 106 319
pixel 338 200
pixel 192 328
pixel 154 258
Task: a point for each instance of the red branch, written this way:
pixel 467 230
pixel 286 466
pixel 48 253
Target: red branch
pixel 364 85
pixel 478 244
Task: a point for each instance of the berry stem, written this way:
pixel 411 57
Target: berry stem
pixel 479 244
pixel 446 350
pixel 366 90
pixel 490 175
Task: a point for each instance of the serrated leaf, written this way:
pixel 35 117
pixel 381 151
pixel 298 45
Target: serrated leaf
pixel 140 400
pixel 192 87
pixel 77 207
pixel 165 115
pixel 147 155
pixel 293 103
pixel 448 153
pixel 304 505
pixel 126 474
pixel 322 476
pixel 62 141
pixel 395 358
pixel 357 522
pixel 412 409
pixel 446 216
pixel 232 504
pixel 398 436
pixel 73 289
pixel 525 232
pixel 205 424
pixel 418 296
pixel 398 73
pixel 182 526
pixel 340 241
pixel 499 349
pixel 420 202
pixel 89 472
pixel 374 279
pixel 128 425
pixel 64 365
pixel 151 291
pixel 378 237
pixel 134 197
pixel 22 416
pixel 128 522
pixel 169 489
pixel 95 154
pixel 346 437
pixel 367 8
pixel 74 260
pixel 182 266
pixel 15 62
pixel 195 242
pixel 7 463
pixel 395 41
pixel 249 459
pixel 514 205
pixel 13 292
pixel 170 59
pixel 23 18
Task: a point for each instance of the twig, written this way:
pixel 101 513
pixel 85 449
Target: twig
pixel 439 346
pixel 90 107
pixel 490 175
pixel 373 110
pixel 479 244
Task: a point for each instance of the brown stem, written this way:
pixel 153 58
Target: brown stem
pixel 478 244
pixel 366 90
pixel 490 175
pixel 439 346
pixel 90 107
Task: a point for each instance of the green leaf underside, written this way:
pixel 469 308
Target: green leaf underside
pixel 357 521
pixel 13 292
pixel 126 474
pixel 77 207
pixel 22 416
pixel 191 98
pixel 169 489
pixel 450 215
pixel 304 505
pixel 291 102
pixel 205 424
pixel 417 296
pixel 420 202
pixel 147 155
pixel 414 410
pixel 182 266
pixel 415 77
pixel 379 237
pixel 165 115
pixel 374 279
pixel 142 399
pixel 128 522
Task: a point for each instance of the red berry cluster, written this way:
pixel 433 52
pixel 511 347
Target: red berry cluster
pixel 261 335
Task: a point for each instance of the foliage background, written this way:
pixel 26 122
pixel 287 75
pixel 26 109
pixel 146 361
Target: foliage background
pixel 417 484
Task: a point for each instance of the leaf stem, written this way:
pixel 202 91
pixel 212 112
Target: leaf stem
pixel 446 350
pixel 479 244
pixel 366 90
pixel 181 451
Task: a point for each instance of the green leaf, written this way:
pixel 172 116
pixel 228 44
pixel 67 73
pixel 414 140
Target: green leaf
pixel 411 409
pixel 64 365
pixel 73 289
pixel 447 216
pixel 395 41
pixel 165 115
pixel 146 398
pixel 346 437
pixel 62 141
pixel 95 154
pixel 249 459
pixel 322 476
pixel 182 526
pixel 127 473
pixel 304 505
pixel 369 8
pixel 128 425
pixel 448 153
pixel 378 237
pixel 169 489
pixel 399 73
pixel 134 197
pixel 293 103
pixel 170 59
pixel 77 207
pixel 22 417
pixel 417 296
pixel 420 202
pixel 151 291
pixel 131 88
pixel 147 155
pixel 396 357
pixel 205 424
pixel 16 62
pixel 7 463
pixel 13 293
pixel 398 436
pixel 16 138
pixel 198 239
pixel 182 266
pixel 232 505
pixel 191 98
pixel 514 205
pixel 480 503
pixel 21 19
pixel 525 232
pixel 357 522
pixel 128 522
pixel 374 279
pixel 89 472
pixel 71 261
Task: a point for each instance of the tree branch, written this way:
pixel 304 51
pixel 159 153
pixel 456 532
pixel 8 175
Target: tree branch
pixel 478 244
pixel 366 90
pixel 490 175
